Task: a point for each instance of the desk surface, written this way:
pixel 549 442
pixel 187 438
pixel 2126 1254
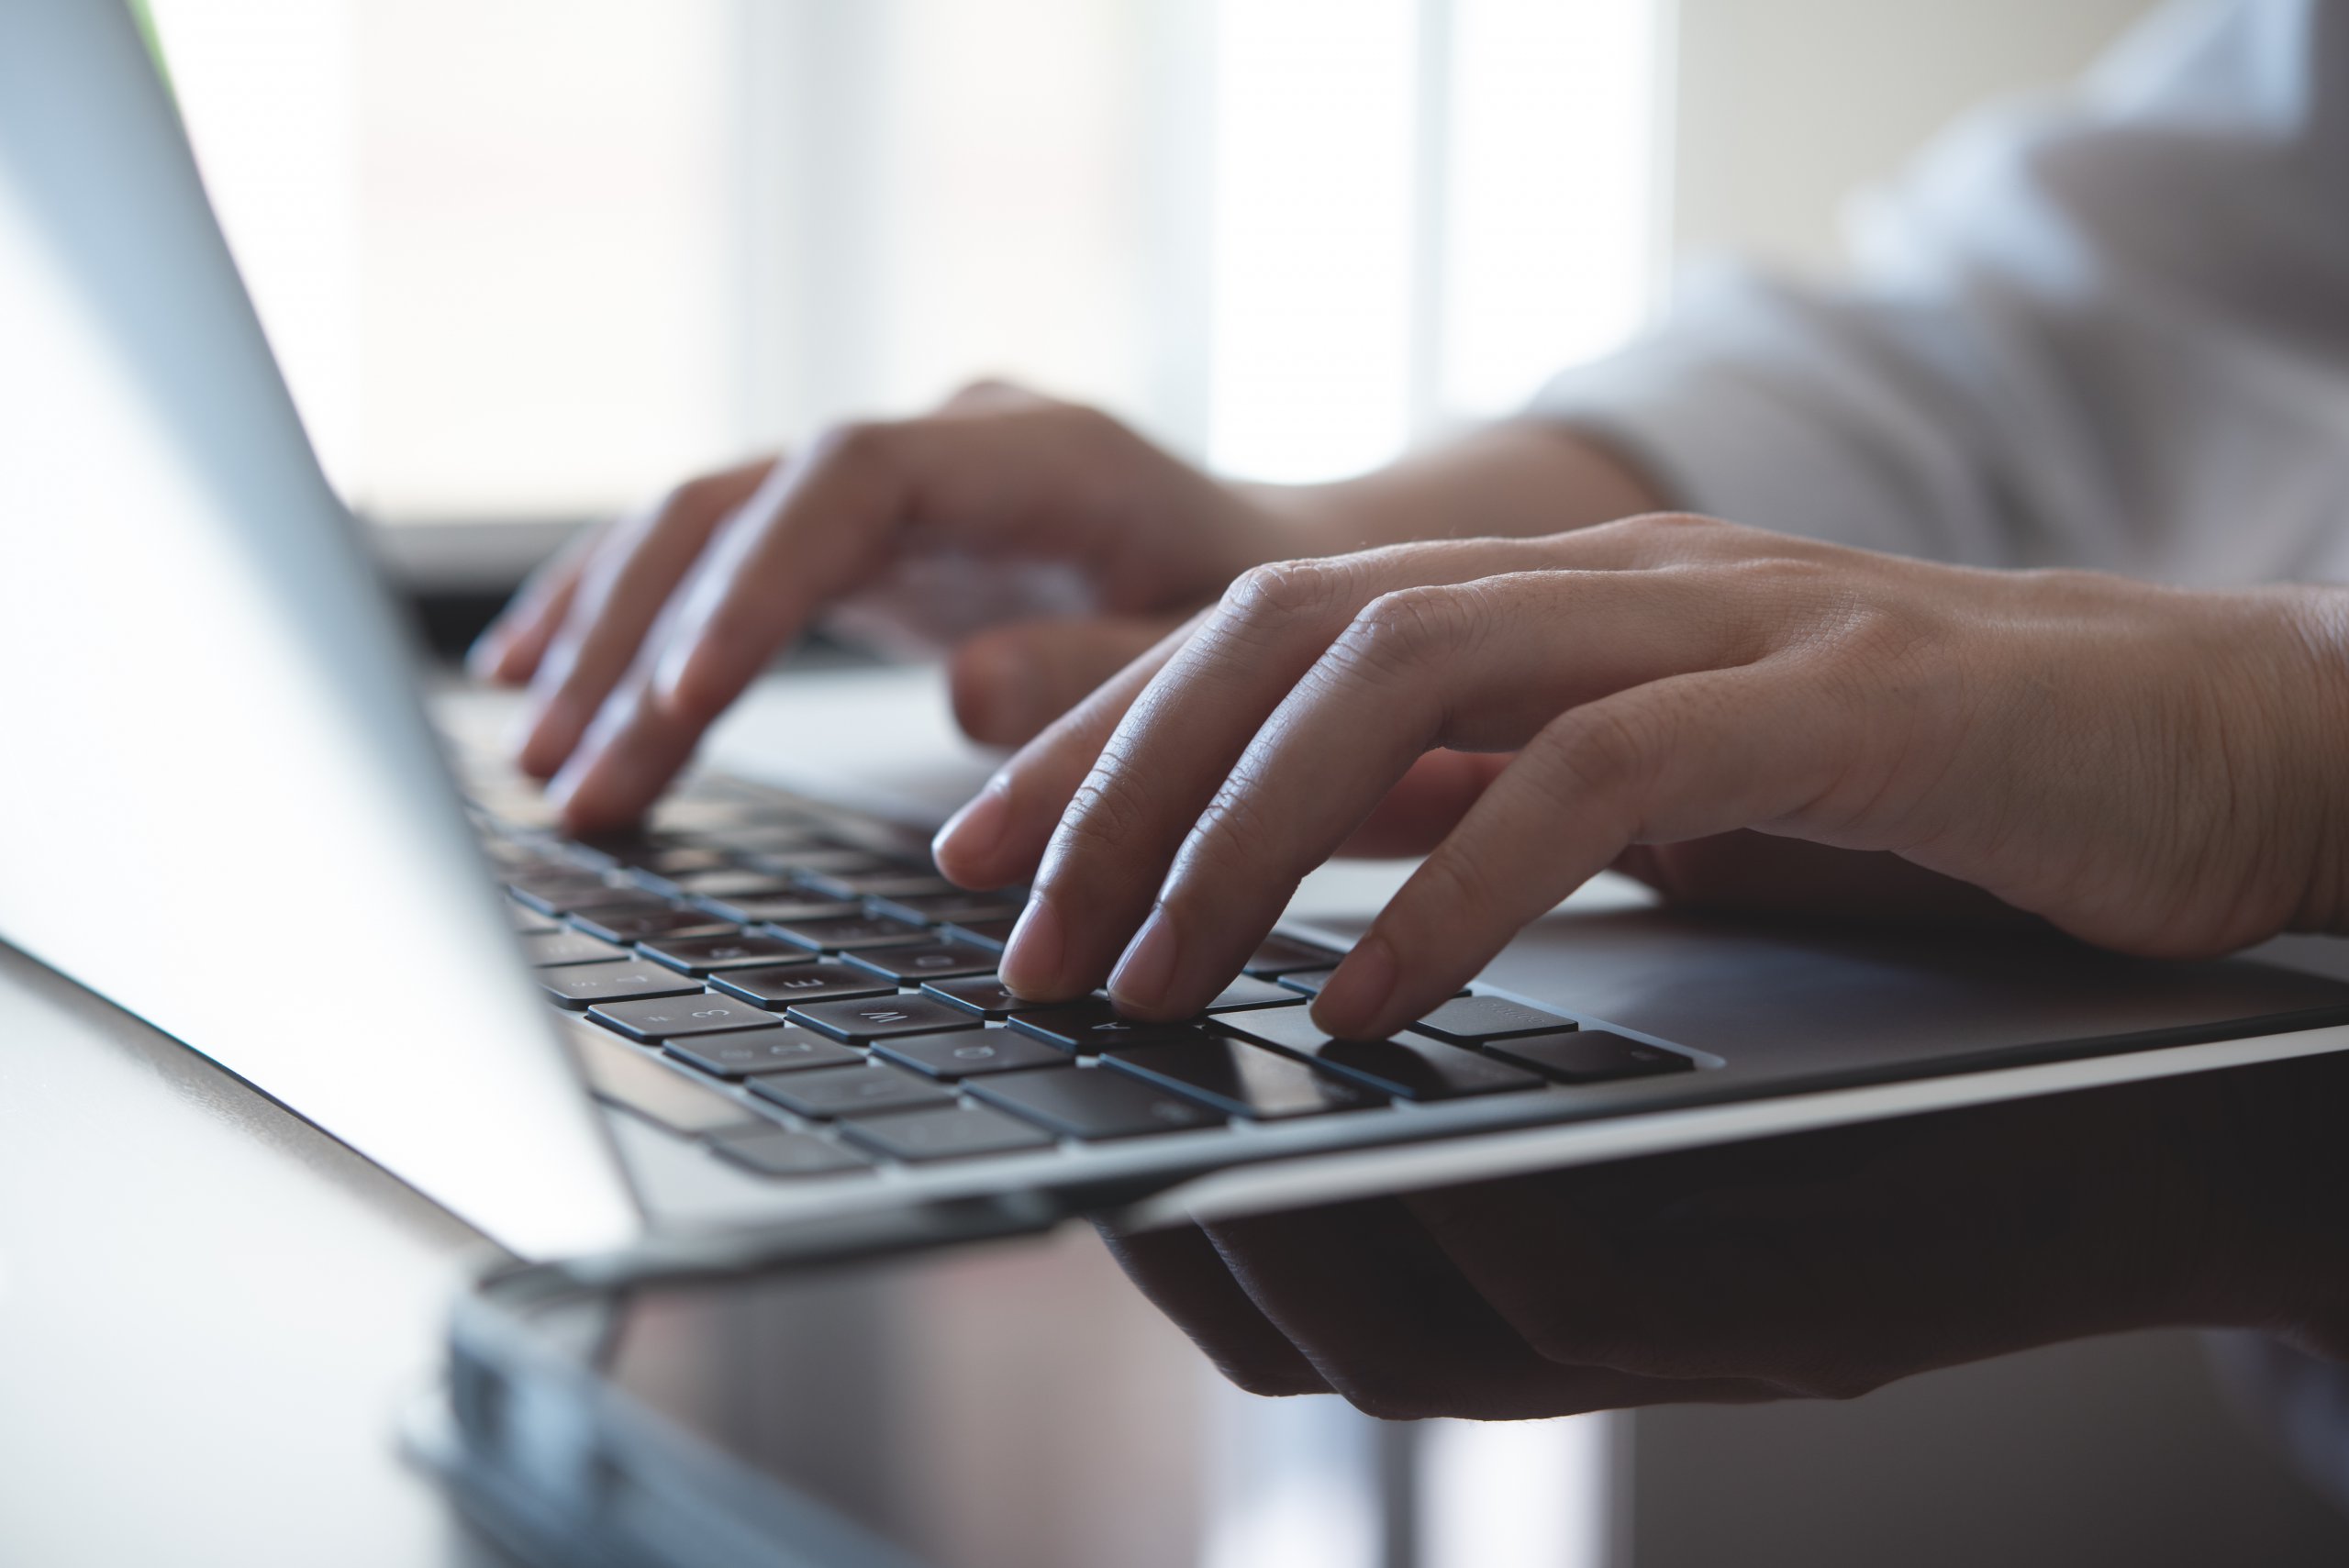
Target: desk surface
pixel 212 1312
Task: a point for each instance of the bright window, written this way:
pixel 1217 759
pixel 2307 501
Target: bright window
pixel 537 258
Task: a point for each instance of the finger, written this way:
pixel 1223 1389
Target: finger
pixel 620 592
pixel 1040 478
pixel 1385 1318
pixel 1044 479
pixel 985 850
pixel 1185 1278
pixel 1412 817
pixel 509 649
pixel 986 844
pixel 1482 665
pixel 1678 758
pixel 1107 854
pixel 1007 684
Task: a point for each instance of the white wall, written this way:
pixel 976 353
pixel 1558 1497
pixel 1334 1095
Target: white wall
pixel 1784 106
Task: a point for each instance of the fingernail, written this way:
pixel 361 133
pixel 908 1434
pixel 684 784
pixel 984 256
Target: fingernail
pixel 1143 975
pixel 484 657
pixel 1355 995
pixel 674 671
pixel 1031 958
pixel 548 736
pixel 976 830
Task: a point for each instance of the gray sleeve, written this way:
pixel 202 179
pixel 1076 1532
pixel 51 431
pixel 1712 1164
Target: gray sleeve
pixel 2111 330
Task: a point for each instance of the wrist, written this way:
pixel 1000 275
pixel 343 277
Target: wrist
pixel 1519 479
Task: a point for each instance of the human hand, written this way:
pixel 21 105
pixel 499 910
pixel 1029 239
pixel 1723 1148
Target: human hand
pixel 637 638
pixel 1819 1264
pixel 2153 771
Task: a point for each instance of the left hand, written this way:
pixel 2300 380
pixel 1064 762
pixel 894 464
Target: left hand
pixel 2153 771
pixel 1820 1264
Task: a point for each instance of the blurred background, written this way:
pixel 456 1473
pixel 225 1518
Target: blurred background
pixel 528 261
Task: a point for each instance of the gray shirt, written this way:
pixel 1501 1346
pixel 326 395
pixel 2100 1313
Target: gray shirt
pixel 2110 329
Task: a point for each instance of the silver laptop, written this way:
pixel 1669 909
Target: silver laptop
pixel 224 808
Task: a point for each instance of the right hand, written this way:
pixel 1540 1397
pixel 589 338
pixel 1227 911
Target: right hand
pixel 633 640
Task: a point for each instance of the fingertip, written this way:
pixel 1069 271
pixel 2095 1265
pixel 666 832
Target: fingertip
pixel 1354 1000
pixel 486 660
pixel 987 681
pixel 550 737
pixel 1032 958
pixel 967 848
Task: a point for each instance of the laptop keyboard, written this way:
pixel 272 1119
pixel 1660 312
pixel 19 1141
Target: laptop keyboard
pixel 803 994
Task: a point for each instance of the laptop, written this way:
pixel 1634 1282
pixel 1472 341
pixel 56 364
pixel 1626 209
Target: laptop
pixel 224 809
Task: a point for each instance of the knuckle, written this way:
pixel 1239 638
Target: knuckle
pixel 1408 628
pixel 1103 815
pixel 697 497
pixel 853 443
pixel 990 389
pixel 1286 590
pixel 1234 833
pixel 1599 751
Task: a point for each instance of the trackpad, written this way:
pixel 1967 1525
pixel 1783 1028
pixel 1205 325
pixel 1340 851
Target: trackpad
pixel 1805 999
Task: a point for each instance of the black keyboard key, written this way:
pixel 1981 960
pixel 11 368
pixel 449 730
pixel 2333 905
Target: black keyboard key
pixel 1470 1020
pixel 1309 982
pixel 1249 991
pixel 581 984
pixel 735 882
pixel 780 986
pixel 1590 1056
pixel 853 933
pixel 562 895
pixel 981 993
pixel 1093 1103
pixel 767 839
pixel 751 911
pixel 1244 1080
pixel 785 1049
pixel 779 1152
pixel 911 966
pixel 651 925
pixel 849 1091
pixel 1093 1025
pixel 669 1017
pixel 1405 1066
pixel 878 1017
pixel 967 1054
pixel 623 1077
pixel 1283 955
pixel 790 862
pixel 702 955
pixel 948 1132
pixel 675 863
pixel 892 882
pixel 986 933
pixel 569 947
pixel 943 908
pixel 528 922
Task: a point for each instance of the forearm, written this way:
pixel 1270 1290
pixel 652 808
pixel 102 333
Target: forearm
pixel 1517 479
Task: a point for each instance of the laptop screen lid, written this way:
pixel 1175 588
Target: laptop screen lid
pixel 222 807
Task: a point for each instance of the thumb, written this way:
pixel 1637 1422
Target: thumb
pixel 1011 681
